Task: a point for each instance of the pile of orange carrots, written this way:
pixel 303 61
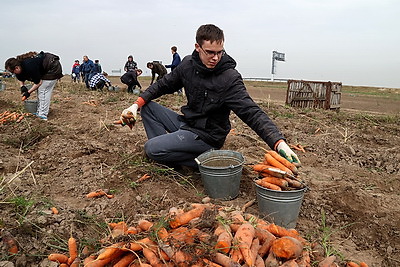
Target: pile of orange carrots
pixel 277 173
pixel 178 240
pixel 8 116
pixel 204 235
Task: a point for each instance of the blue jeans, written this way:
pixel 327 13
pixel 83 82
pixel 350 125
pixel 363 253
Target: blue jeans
pixel 168 143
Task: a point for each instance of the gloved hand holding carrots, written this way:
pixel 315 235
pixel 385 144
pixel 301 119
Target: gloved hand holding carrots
pixel 284 150
pixel 129 115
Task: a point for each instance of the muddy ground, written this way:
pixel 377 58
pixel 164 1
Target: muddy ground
pixel 351 163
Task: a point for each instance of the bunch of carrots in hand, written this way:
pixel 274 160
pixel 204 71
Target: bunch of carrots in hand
pixel 277 173
pixel 204 235
pixel 127 119
pixel 8 116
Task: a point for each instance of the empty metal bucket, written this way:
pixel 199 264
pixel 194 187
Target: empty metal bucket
pixel 221 171
pixel 280 207
pixel 31 105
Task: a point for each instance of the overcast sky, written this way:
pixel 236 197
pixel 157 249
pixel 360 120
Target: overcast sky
pixel 356 42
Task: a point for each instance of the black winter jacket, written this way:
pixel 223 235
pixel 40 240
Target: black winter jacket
pixel 211 95
pixel 44 66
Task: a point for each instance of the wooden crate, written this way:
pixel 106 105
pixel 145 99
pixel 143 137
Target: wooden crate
pixel 313 94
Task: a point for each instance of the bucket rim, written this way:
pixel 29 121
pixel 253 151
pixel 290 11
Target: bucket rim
pixel 241 160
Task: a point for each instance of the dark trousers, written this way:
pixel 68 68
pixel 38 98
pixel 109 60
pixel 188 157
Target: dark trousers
pixel 168 143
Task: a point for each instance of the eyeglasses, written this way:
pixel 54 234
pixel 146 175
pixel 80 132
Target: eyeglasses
pixel 213 53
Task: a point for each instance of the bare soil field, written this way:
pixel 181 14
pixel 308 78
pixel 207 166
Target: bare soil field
pixel 351 164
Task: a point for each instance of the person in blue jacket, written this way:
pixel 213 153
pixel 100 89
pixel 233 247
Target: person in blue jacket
pixel 176 60
pixel 88 70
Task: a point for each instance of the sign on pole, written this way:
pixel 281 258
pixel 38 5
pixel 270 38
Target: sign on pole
pixel 276 56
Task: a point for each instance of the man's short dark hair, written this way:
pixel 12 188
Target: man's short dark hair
pixel 174 48
pixel 209 32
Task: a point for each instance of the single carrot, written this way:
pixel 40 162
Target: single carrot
pixel 20 119
pixel 181 258
pixel 224 242
pixel 272 161
pixel 265 184
pixel 144 177
pixel 137 245
pixel 224 260
pixel 294 183
pixel 88 259
pixel 54 210
pixel 23 98
pixel 132 230
pixel 268 170
pixel 56 257
pixel 287 247
pixel 119 229
pixel 266 240
pixel 280 231
pixel 10 242
pixel 72 249
pixel 111 251
pixel 244 237
pixel 75 263
pixel 152 257
pixel 236 254
pixel 97 193
pixel 145 225
pixel 277 181
pixel 284 161
pixel 186 217
pixel 255 246
pixel 271 260
pixel 363 264
pixel 125 260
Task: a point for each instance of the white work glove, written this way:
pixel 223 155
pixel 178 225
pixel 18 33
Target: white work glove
pixel 284 150
pixel 129 113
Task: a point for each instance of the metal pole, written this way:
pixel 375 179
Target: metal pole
pixel 273 66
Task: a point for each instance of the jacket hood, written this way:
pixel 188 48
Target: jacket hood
pixel 226 62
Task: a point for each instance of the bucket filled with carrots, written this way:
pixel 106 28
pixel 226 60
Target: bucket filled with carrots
pixel 279 189
pixel 221 171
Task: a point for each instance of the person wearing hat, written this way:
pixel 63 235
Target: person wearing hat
pixel 130 65
pixel 75 74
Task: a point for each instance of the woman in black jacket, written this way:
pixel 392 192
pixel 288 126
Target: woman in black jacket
pixel 43 69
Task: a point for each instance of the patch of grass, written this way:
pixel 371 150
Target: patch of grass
pixel 22 206
pixel 325 235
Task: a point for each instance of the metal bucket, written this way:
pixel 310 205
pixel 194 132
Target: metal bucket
pixel 31 105
pixel 280 207
pixel 221 171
